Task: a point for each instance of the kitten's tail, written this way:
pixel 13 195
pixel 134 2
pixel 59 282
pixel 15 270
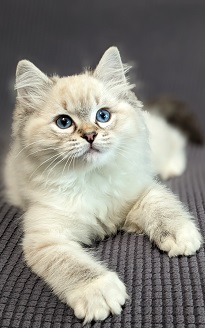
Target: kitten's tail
pixel 177 113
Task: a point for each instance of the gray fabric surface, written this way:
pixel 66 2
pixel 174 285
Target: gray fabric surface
pixel 166 38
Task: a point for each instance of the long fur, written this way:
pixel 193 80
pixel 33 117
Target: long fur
pixel 73 193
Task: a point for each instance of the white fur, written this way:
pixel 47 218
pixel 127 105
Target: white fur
pixel 168 147
pixel 165 220
pixel 87 194
pixel 31 84
pixel 112 73
pixel 103 296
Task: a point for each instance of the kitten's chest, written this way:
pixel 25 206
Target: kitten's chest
pixel 105 197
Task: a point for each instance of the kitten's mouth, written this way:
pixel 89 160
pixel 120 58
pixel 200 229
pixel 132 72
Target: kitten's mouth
pixel 91 150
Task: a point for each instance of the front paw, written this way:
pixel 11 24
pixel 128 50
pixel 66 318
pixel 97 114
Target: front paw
pixel 186 241
pixel 99 298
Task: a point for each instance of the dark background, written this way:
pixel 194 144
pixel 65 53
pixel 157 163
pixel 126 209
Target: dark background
pixel 164 39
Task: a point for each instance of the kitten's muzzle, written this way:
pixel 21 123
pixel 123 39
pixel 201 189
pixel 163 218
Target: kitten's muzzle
pixel 89 137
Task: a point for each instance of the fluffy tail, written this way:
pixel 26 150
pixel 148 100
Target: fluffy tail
pixel 176 113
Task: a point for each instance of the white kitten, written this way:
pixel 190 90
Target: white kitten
pixel 80 166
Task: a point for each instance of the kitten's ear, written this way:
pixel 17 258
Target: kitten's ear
pixel 31 84
pixel 112 72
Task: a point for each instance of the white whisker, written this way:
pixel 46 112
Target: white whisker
pixel 29 145
pixel 56 164
pixel 44 163
pixel 25 148
pixel 43 149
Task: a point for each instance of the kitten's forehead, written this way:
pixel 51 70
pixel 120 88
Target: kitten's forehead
pixel 79 94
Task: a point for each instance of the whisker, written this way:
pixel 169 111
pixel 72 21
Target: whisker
pixel 58 156
pixel 73 162
pixel 43 149
pixel 43 163
pixel 32 143
pixel 25 148
pixel 73 157
pixel 123 152
pixel 56 164
pixel 66 164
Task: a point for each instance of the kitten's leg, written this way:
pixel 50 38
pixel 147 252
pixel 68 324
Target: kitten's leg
pixel 73 274
pixel 160 215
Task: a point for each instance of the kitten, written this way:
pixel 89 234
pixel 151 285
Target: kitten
pixel 81 168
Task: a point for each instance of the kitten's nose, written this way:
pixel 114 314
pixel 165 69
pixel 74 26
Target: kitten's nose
pixel 89 136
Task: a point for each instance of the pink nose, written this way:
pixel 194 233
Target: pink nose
pixel 89 137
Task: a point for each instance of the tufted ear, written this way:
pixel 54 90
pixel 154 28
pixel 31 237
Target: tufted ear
pixel 112 72
pixel 31 84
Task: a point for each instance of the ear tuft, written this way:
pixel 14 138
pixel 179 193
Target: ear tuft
pixel 112 72
pixel 31 84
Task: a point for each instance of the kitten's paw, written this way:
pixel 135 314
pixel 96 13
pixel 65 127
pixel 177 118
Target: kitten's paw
pixel 99 298
pixel 186 241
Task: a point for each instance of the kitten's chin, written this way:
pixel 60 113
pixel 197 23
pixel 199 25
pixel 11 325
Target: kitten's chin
pixel 93 155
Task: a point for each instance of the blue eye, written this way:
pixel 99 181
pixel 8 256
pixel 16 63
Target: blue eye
pixel 64 122
pixel 103 115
